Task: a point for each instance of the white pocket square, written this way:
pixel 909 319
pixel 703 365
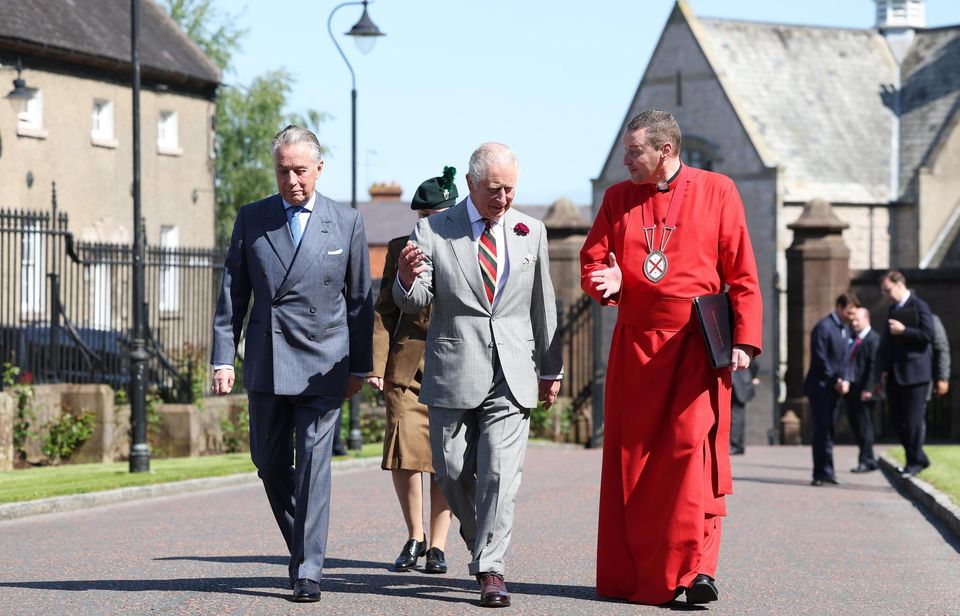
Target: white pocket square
pixel 338 251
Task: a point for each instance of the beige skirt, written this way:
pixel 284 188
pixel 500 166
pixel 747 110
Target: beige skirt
pixel 406 440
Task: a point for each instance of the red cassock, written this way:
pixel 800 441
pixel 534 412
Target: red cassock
pixel 666 462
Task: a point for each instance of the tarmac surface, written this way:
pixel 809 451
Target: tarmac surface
pixel 788 548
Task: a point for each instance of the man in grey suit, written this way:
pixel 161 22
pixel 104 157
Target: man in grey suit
pixel 492 351
pixel 303 258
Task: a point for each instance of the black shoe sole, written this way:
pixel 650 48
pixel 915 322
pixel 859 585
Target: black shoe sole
pixel 435 570
pixel 700 594
pixel 305 599
pixel 400 569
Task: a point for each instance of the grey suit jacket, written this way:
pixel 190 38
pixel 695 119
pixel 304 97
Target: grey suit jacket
pixel 311 322
pixel 464 331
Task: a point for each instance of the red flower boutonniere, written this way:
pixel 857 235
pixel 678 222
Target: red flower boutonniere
pixel 521 229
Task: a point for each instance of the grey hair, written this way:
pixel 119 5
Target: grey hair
pixel 488 154
pixel 292 135
pixel 661 128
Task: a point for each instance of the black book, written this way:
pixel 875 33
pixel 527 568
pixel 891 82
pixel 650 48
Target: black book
pixel 907 315
pixel 716 323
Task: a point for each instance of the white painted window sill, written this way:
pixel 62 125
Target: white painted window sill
pixel 104 142
pixel 32 132
pixel 166 150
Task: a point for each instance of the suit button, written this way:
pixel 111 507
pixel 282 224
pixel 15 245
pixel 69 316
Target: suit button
pixel 312 337
pixel 313 310
pixel 326 282
pixel 491 345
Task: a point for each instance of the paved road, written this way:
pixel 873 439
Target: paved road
pixel 789 548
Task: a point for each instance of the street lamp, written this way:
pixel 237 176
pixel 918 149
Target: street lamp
pixel 139 448
pixel 20 93
pixel 365 33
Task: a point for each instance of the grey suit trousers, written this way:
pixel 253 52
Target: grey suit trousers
pixel 478 457
pixel 299 497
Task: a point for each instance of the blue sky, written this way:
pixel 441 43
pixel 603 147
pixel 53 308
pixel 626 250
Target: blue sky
pixel 551 79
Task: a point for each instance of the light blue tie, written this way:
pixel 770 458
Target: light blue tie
pixel 295 229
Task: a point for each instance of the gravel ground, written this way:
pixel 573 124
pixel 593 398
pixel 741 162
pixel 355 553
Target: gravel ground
pixel 788 548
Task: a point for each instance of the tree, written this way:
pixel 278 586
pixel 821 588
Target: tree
pixel 247 117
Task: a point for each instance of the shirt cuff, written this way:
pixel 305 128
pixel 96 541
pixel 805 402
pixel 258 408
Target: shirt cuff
pixel 406 291
pixel 222 367
pixel 551 377
pixel 362 375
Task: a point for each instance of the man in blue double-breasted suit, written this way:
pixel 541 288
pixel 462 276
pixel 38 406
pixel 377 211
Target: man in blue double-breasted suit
pixel 303 258
pixel 829 344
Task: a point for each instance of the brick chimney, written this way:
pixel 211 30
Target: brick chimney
pixel 382 191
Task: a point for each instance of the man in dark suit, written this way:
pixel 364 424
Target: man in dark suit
pixel 906 362
pixel 860 382
pixel 303 258
pixel 829 345
pixel 743 390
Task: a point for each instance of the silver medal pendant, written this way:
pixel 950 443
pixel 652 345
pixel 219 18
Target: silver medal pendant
pixel 655 266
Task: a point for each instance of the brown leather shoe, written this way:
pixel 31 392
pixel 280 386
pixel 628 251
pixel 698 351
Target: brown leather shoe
pixel 493 590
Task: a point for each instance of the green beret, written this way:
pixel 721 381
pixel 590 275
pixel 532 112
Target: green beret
pixel 437 193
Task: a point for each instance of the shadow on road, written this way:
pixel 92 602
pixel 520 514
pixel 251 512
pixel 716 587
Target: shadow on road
pixel 806 483
pixel 430 587
pixel 330 563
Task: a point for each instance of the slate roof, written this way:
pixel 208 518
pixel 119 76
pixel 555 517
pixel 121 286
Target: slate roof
pixel 930 99
pixel 816 100
pixel 97 33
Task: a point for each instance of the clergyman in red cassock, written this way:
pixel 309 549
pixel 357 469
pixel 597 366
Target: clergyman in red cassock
pixel 669 234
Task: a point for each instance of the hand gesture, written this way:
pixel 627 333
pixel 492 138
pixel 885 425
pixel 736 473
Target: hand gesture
pixel 411 264
pixel 548 392
pixel 608 279
pixel 896 327
pixel 376 382
pixel 223 381
pixel 941 387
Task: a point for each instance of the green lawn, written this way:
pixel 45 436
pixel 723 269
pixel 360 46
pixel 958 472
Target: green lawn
pixel 944 471
pixel 44 482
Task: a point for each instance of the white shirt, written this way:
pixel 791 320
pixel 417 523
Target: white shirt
pixel 863 334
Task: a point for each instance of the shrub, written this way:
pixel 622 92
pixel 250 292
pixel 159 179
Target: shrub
pixel 67 434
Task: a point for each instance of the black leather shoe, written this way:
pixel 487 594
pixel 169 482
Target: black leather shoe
pixel 412 550
pixel 736 451
pixel 436 563
pixel 864 468
pixel 703 590
pixel 493 590
pixel 306 591
pixel 911 471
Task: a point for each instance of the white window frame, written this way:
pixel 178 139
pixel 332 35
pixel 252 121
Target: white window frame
pixel 169 300
pixel 101 124
pixel 102 300
pixel 33 271
pixel 30 120
pixel 168 135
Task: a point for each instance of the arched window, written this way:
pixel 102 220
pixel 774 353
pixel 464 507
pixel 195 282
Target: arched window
pixel 698 153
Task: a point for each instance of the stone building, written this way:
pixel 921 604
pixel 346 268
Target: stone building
pixel 76 130
pixel 866 119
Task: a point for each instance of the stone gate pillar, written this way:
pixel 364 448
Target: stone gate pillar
pixel 566 232
pixel 818 270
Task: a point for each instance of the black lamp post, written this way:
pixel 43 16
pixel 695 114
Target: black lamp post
pixel 364 33
pixel 139 449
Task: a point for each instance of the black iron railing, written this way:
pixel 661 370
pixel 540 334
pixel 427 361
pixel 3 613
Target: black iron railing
pixel 65 306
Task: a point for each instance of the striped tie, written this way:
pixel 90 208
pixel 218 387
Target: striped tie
pixel 487 255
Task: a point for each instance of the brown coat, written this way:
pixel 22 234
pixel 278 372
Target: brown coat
pixel 399 339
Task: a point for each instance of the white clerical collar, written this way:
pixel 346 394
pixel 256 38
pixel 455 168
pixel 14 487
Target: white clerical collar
pixel 476 216
pixel 665 186
pixel 307 207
